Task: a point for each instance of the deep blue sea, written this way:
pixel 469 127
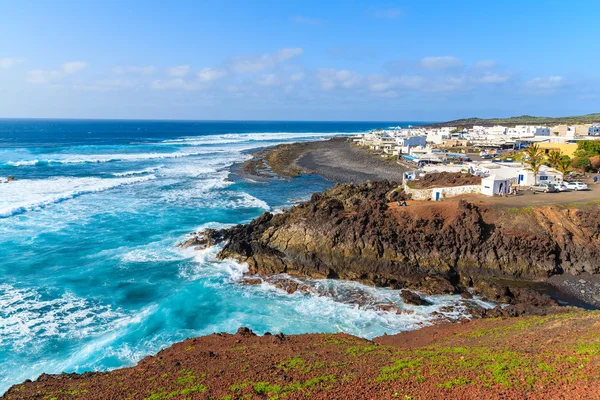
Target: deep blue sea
pixel 90 275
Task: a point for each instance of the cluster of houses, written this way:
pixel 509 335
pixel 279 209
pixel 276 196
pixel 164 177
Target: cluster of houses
pixel 426 145
pixel 429 150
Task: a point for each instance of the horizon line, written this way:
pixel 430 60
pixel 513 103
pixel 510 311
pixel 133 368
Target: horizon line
pixel 197 120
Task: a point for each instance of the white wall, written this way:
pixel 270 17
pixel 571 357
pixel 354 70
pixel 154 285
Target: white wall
pixel 427 194
pixel 491 187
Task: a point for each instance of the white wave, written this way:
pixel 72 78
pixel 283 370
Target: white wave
pixel 25 195
pixel 245 200
pixel 232 138
pixel 27 316
pixel 101 335
pixel 153 252
pixel 207 266
pixel 104 158
pixel 213 225
pixel 139 172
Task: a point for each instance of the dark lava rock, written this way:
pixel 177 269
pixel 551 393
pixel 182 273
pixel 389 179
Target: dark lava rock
pixel 251 281
pixel 244 331
pixel 413 298
pixel 388 307
pixel 493 291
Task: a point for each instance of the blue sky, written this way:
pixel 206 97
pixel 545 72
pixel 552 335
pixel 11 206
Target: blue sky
pixel 308 60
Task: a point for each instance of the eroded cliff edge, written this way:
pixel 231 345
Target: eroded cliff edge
pixel 361 233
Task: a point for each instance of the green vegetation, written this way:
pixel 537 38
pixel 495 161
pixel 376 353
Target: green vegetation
pixel 587 156
pixel 361 350
pixel 454 382
pixel 522 120
pixel 401 369
pixel 535 159
pixel 187 379
pixel 275 391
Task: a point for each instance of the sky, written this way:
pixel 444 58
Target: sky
pixel 298 60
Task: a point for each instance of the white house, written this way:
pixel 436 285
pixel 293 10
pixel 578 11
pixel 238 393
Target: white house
pixel 493 185
pixel 412 141
pixel 522 131
pixel 594 130
pixel 545 175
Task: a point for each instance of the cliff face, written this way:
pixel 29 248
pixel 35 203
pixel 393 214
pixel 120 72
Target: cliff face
pixel 358 232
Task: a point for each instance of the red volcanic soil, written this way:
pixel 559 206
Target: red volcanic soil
pixel 550 357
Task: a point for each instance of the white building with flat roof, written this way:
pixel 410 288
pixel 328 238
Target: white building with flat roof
pixel 524 131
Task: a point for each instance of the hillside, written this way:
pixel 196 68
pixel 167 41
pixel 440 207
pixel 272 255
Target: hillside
pixel 521 120
pixel 551 357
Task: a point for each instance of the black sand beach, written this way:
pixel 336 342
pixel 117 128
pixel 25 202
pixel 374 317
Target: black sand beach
pixel 335 159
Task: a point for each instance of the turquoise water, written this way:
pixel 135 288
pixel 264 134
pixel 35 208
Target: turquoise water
pixel 90 278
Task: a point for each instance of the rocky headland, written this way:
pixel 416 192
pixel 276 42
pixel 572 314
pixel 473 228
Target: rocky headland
pixel 362 233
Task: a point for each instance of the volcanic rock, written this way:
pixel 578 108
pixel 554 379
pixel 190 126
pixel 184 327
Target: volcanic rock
pixel 413 298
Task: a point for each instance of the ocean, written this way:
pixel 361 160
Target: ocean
pixel 90 275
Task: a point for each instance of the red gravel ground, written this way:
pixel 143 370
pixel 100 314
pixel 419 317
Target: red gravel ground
pixel 550 357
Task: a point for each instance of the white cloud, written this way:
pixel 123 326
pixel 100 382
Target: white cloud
pixel 388 13
pixel 8 62
pixel 297 77
pixel 493 78
pixel 378 84
pixel 105 85
pixel 211 74
pixel 545 83
pixel 287 54
pixel 259 63
pixel 330 78
pixel 145 70
pixel 485 64
pixel 441 63
pixel 304 20
pixel 179 71
pixel 72 67
pixel 267 80
pixel 178 83
pixel 40 77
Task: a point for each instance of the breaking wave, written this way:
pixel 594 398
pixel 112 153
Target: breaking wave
pixel 28 195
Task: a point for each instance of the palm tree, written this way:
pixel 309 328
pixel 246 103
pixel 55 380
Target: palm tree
pixel 534 165
pixel 534 152
pixel 563 166
pixel 535 157
pixel 554 157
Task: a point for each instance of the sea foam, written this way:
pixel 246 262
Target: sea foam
pixel 25 195
pixel 105 158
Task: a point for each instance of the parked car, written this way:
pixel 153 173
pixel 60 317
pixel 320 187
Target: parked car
pixel 561 187
pixel 577 185
pixel 543 187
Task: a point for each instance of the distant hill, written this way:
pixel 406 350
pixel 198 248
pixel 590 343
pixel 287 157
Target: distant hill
pixel 522 120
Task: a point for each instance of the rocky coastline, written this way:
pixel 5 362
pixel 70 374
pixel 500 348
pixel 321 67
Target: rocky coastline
pixel 359 232
pixel 519 258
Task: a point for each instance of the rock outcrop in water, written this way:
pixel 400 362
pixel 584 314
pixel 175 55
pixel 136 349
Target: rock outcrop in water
pixel 359 233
